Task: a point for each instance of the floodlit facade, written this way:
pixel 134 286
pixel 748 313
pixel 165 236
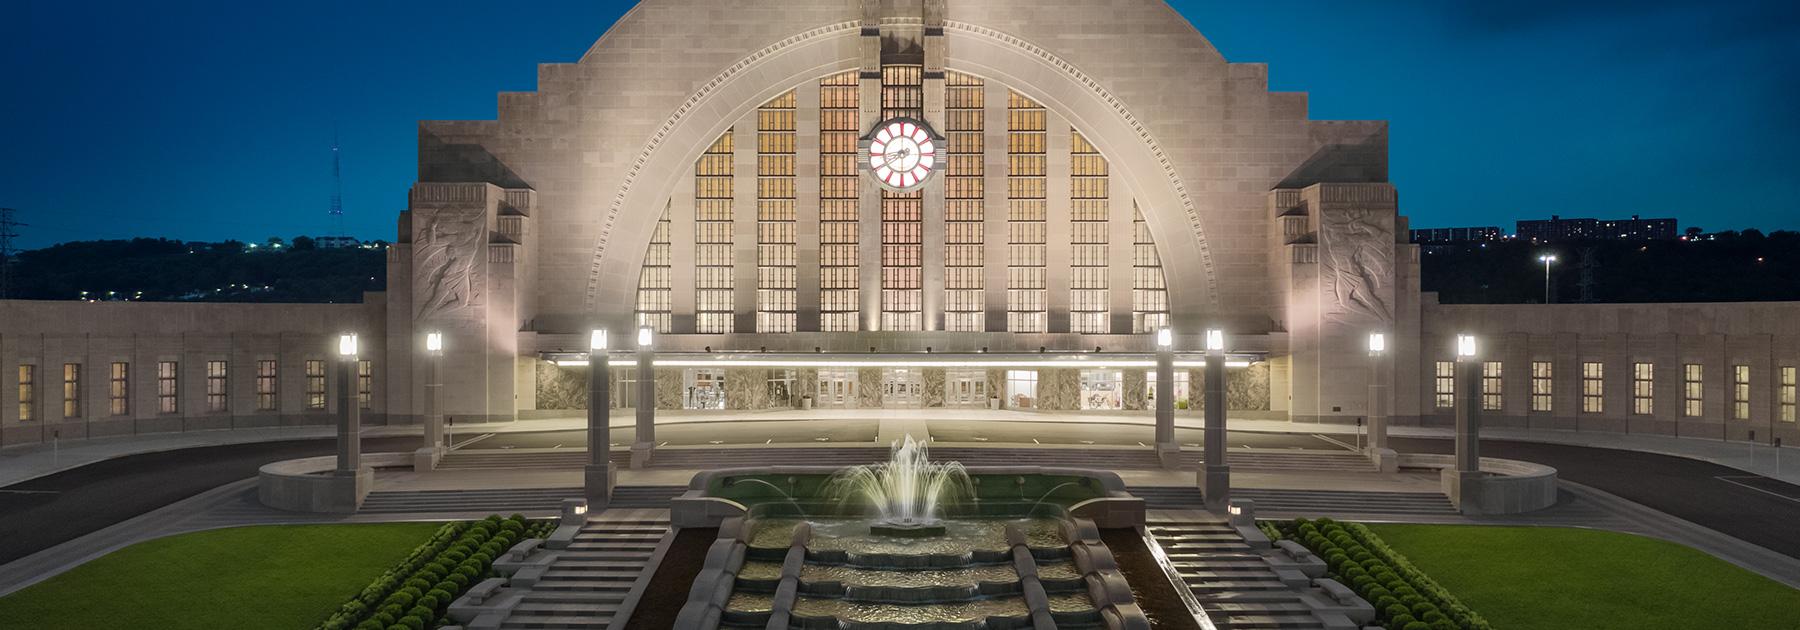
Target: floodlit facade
pixel 918 204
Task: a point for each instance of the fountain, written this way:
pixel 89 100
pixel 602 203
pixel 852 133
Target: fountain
pixel 908 543
pixel 907 491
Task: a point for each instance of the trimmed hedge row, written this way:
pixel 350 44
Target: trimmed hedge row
pixel 1405 598
pixel 415 594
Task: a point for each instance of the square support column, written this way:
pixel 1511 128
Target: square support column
pixel 599 474
pixel 432 449
pixel 351 481
pixel 1167 449
pixel 646 402
pixel 1463 482
pixel 1215 474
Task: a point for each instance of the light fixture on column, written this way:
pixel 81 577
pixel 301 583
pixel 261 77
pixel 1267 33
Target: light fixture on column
pixel 644 336
pixel 1165 337
pixel 1377 343
pixel 434 342
pixel 597 340
pixel 1215 339
pixel 347 344
pixel 1465 345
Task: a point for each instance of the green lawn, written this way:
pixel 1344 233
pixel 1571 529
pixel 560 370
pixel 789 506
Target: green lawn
pixel 272 577
pixel 1548 578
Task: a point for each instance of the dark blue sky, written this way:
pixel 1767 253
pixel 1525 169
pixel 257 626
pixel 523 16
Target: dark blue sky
pixel 213 120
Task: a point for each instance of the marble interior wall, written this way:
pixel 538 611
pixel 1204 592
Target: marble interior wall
pixel 1059 389
pixel 1136 386
pixel 996 386
pixel 746 388
pixel 1247 388
pixel 806 382
pixel 561 387
pixel 934 387
pixel 868 388
pixel 668 388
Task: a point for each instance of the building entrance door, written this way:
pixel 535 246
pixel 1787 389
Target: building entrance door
pixel 837 388
pixel 902 387
pixel 965 388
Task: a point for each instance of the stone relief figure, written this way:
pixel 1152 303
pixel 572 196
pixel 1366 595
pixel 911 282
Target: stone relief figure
pixel 446 251
pixel 1357 265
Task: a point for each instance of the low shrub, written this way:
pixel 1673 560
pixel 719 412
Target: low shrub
pixel 1404 597
pixel 1416 625
pixel 414 593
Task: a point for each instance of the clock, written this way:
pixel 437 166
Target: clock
pixel 902 153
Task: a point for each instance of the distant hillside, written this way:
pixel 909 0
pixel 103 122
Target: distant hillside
pixel 161 270
pixel 1743 266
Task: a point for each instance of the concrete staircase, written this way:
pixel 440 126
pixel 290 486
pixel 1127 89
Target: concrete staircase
pixel 586 584
pixel 708 458
pixel 1235 586
pixel 1304 501
pixel 535 501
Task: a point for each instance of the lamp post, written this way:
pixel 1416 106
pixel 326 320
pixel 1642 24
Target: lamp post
pixel 1466 483
pixel 1166 449
pixel 1377 391
pixel 426 458
pixel 349 416
pixel 599 472
pixel 1547 258
pixel 1215 473
pixel 646 399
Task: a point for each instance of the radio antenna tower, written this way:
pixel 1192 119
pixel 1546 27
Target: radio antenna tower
pixel 337 189
pixel 1588 263
pixel 6 251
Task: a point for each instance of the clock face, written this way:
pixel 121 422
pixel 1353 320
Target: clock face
pixel 902 154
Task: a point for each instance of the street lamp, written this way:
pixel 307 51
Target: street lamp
pixel 1167 451
pixel 1214 477
pixel 1377 396
pixel 598 473
pixel 349 455
pixel 1377 343
pixel 643 335
pixel 1164 337
pixel 347 345
pixel 1215 340
pixel 434 342
pixel 597 340
pixel 646 399
pixel 1547 258
pixel 426 458
pixel 1465 345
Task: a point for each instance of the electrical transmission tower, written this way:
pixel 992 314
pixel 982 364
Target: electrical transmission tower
pixel 1587 275
pixel 6 251
pixel 337 190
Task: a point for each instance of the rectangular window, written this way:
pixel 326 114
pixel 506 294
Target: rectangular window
pixel 119 389
pixel 1540 386
pixel 1021 389
pixel 365 384
pixel 27 391
pixel 167 384
pixel 1740 392
pixel 1643 387
pixel 1592 387
pixel 1181 389
pixel 1100 389
pixel 1787 394
pixel 71 390
pixel 1446 384
pixel 215 386
pixel 265 385
pixel 780 388
pixel 1691 392
pixel 1490 386
pixel 315 384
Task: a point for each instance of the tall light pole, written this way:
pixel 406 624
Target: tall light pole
pixel 599 473
pixel 646 399
pixel 1377 392
pixel 1547 258
pixel 351 481
pixel 1166 449
pixel 1466 483
pixel 426 458
pixel 1215 474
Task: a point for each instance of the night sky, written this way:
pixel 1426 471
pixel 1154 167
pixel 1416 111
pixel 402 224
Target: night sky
pixel 211 121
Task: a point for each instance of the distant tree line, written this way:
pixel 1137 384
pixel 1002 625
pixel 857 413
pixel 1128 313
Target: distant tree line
pixel 1730 266
pixel 162 270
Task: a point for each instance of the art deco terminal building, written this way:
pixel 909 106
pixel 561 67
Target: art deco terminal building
pixel 959 204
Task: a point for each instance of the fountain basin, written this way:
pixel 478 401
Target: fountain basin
pixel 931 530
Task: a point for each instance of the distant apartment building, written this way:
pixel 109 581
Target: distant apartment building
pixel 1557 228
pixel 1455 235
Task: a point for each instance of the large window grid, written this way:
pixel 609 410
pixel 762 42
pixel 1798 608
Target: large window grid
pixel 902 215
pixel 1089 299
pixel 1446 384
pixel 365 384
pixel 1149 295
pixel 839 211
pixel 1491 388
pixel 1593 387
pixel 1643 388
pixel 168 386
pixel 776 281
pixel 713 286
pixel 964 230
pixel 1740 392
pixel 1541 386
pixel 1027 308
pixel 654 298
pixel 265 385
pixel 119 389
pixel 1692 391
pixel 315 384
pixel 216 392
pixel 27 392
pixel 1787 393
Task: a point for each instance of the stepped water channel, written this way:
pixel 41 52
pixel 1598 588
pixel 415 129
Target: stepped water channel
pixel 912 543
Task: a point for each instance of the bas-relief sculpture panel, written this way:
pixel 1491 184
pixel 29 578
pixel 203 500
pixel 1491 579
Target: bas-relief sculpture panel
pixel 1136 387
pixel 745 389
pixel 1059 389
pixel 668 388
pixel 448 247
pixel 561 387
pixel 934 387
pixel 868 387
pixel 1247 388
pixel 1356 266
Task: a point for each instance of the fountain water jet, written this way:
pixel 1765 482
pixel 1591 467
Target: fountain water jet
pixel 907 491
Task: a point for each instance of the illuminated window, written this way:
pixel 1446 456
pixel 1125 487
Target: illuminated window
pixel 365 384
pixel 27 392
pixel 119 389
pixel 1691 391
pixel 714 302
pixel 839 253
pixel 1026 296
pixel 1021 389
pixel 1592 387
pixel 1446 384
pixel 1787 394
pixel 1643 388
pixel 1101 389
pixel 1181 389
pixel 215 387
pixel 265 385
pixel 776 280
pixel 1540 386
pixel 1149 296
pixel 1089 298
pixel 964 230
pixel 315 384
pixel 1740 392
pixel 1490 386
pixel 167 385
pixel 654 297
pixel 71 390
